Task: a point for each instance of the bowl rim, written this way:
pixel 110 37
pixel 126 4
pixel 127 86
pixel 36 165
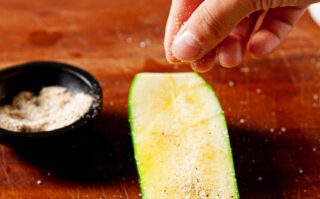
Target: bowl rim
pixel 91 114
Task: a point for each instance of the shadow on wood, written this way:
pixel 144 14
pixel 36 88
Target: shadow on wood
pixel 103 153
pixel 268 163
pixel 255 164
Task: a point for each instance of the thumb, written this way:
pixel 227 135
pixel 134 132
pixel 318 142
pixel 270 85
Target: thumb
pixel 210 23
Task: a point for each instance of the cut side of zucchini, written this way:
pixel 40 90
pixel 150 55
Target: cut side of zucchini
pixel 180 138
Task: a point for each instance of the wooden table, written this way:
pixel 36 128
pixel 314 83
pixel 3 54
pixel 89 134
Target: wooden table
pixel 272 105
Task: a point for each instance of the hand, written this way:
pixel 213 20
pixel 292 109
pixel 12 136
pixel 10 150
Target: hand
pixel 202 32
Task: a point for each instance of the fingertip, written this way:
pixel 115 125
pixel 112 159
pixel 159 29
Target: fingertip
pixel 172 59
pixel 263 43
pixel 204 64
pixel 185 47
pixel 200 68
pixel 230 53
pixel 180 11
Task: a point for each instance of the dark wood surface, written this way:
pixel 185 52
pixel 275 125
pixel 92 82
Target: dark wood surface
pixel 272 105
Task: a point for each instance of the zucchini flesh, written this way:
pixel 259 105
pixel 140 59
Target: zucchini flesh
pixel 180 138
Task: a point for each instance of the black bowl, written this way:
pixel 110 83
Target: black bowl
pixel 33 77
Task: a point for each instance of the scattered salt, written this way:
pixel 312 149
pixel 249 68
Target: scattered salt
pixel 259 178
pixel 300 171
pixel 271 130
pixel 143 44
pixel 39 182
pixel 231 83
pixel 245 69
pixel 283 129
pixel 258 90
pixel 242 121
pixel 129 40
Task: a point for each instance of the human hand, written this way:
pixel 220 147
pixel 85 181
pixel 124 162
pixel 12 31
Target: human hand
pixel 202 32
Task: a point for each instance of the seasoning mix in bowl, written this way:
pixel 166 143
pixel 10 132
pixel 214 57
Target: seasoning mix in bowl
pixel 45 101
pixel 54 108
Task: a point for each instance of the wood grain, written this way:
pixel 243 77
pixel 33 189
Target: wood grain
pixel 272 105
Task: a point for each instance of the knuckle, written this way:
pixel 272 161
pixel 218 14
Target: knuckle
pixel 266 4
pixel 262 4
pixel 211 23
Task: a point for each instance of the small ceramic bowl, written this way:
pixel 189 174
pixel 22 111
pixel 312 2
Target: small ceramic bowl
pixel 33 77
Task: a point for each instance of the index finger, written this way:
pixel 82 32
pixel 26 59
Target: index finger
pixel 180 12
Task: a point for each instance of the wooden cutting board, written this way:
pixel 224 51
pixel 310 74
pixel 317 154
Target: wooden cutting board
pixel 272 105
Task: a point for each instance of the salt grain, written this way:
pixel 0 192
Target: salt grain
pixel 245 69
pixel 258 90
pixel 143 44
pixel 129 40
pixel 231 83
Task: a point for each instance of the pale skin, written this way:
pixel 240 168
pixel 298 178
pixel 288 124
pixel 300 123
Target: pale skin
pixel 206 32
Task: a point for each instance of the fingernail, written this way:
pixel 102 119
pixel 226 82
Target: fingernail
pixel 186 47
pixel 230 54
pixel 263 43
